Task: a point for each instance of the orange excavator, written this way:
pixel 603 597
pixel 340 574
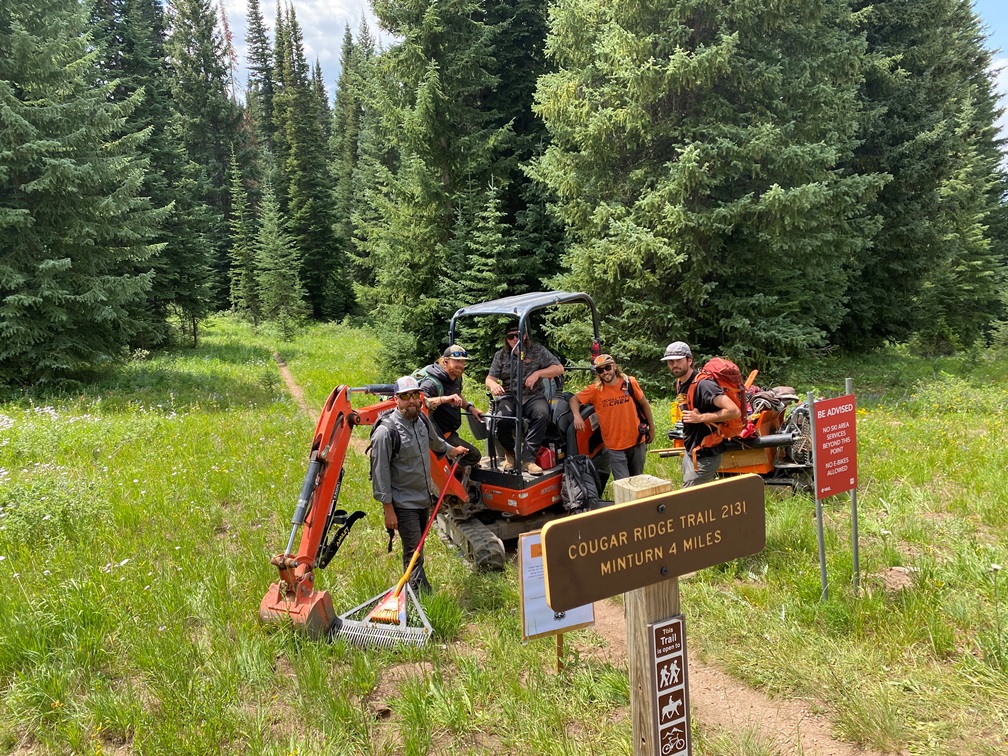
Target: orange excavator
pixel 493 506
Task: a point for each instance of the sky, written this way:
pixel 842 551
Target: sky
pixel 324 21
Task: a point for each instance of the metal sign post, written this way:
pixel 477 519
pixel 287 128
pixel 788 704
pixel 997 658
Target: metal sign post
pixel 834 435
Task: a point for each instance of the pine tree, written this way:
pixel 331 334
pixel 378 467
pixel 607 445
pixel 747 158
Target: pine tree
pixel 279 269
pixel 304 167
pixel 244 287
pixel 208 122
pixel 930 129
pixel 129 36
pixel 259 95
pixel 74 230
pixel 343 147
pixel 437 78
pixel 697 160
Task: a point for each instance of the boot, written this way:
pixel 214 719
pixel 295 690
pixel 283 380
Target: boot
pixel 509 461
pixel 532 468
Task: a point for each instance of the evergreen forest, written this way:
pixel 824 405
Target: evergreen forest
pixel 761 179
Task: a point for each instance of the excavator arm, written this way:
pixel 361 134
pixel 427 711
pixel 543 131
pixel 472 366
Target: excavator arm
pixel 293 598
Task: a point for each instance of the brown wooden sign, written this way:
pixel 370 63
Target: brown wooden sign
pixel 598 554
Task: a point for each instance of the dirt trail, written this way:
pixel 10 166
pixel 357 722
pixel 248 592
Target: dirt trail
pixel 718 701
pixel 297 395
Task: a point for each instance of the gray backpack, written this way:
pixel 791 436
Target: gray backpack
pixel 580 489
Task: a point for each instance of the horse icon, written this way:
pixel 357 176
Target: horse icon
pixel 671 709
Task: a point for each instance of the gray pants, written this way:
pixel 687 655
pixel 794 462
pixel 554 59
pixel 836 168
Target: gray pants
pixel 626 463
pixel 411 527
pixel 704 472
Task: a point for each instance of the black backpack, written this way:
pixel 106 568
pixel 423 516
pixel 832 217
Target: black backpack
pixel 580 489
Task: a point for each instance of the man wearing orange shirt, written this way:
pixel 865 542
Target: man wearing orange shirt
pixel 624 415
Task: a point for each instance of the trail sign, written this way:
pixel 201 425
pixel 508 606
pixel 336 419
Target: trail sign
pixel 598 554
pixel 835 443
pixel 670 687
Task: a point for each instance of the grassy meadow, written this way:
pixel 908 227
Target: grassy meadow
pixel 138 516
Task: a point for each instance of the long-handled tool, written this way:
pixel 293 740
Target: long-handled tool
pixel 384 621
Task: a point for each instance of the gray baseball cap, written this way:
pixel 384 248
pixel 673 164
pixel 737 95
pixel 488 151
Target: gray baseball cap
pixel 676 350
pixel 404 384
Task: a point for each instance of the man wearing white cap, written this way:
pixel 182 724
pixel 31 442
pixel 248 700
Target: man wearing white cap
pixel 709 406
pixel 400 470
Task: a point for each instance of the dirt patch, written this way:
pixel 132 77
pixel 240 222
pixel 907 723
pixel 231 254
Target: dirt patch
pixel 292 388
pixel 719 702
pixel 896 579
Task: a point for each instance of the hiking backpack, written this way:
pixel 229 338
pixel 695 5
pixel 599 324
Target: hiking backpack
pixel 396 439
pixel 727 375
pixel 422 374
pixel 580 487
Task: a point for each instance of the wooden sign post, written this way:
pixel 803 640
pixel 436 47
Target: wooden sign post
pixel 639 547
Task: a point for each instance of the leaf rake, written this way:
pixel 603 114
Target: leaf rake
pixel 393 617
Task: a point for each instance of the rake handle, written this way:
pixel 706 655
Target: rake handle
pixel 416 553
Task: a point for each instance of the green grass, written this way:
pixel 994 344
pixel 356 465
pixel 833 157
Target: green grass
pixel 138 515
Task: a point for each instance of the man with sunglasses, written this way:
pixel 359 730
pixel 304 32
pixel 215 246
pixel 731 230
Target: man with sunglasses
pixel 537 363
pixel 442 385
pixel 400 470
pixel 624 416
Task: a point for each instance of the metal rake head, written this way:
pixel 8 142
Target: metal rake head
pixel 414 630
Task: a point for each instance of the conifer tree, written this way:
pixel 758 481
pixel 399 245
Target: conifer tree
pixel 278 265
pixel 74 230
pixel 244 286
pixel 208 121
pixel 697 160
pixel 304 167
pixel 129 36
pixel 259 94
pixel 438 76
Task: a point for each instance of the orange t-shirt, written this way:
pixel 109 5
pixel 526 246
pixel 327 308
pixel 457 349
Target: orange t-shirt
pixel 616 410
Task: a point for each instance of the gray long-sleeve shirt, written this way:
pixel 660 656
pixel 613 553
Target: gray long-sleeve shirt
pixel 404 478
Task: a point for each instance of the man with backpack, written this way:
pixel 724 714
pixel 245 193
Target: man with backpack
pixel 401 443
pixel 624 415
pixel 441 383
pixel 704 406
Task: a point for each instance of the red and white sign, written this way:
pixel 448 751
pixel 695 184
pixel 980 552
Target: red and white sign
pixel 669 687
pixel 835 445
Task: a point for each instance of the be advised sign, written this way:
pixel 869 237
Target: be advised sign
pixel 835 444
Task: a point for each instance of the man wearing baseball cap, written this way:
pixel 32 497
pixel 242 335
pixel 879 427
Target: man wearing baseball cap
pixel 442 385
pixel 537 363
pixel 400 470
pixel 709 407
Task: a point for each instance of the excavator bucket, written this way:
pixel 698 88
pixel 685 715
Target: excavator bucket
pixel 311 613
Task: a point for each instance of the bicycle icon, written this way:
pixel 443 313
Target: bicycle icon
pixel 674 742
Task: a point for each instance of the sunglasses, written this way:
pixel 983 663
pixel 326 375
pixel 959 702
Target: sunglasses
pixel 604 369
pixel 458 353
pixel 511 337
pixel 408 395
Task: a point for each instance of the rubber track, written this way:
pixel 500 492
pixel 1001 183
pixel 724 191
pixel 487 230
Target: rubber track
pixel 479 545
